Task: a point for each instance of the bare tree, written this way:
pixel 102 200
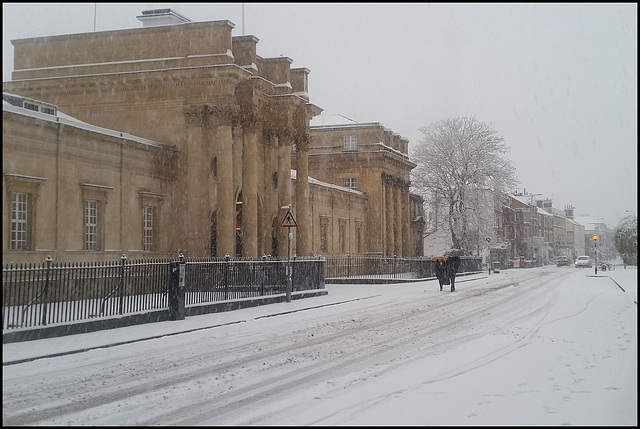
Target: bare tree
pixel 461 169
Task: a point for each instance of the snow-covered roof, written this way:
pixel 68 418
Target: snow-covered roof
pixel 336 120
pixel 65 119
pixel 326 185
pixel 588 222
pixel 544 212
pixel 156 17
pixel 525 199
pixel 331 119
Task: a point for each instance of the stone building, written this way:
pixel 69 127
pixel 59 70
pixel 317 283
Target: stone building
pixel 195 145
pixel 370 158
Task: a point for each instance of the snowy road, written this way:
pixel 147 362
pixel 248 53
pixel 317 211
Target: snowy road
pixel 537 346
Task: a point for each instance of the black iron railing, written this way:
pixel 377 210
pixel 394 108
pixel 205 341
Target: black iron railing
pixel 42 294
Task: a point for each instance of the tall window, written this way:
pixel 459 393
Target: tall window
pixel 19 221
pixel 350 182
pixel 22 198
pixel 350 143
pixel 357 238
pixel 150 206
pixel 91 212
pixel 95 200
pixel 342 236
pixel 147 226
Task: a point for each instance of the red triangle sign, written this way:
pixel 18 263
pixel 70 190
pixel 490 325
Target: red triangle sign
pixel 288 220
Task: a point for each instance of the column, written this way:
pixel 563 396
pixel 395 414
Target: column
pixel 303 216
pixel 398 219
pixel 389 217
pixel 269 194
pixel 283 135
pixel 226 201
pixel 249 186
pixel 407 234
pixel 194 203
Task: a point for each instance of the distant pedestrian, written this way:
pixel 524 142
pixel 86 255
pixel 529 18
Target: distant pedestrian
pixel 440 268
pixel 452 265
pixel 624 260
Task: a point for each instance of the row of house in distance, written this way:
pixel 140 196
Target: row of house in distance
pixel 531 228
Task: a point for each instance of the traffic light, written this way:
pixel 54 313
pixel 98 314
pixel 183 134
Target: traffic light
pixel 595 237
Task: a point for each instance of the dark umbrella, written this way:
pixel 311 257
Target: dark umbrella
pixel 454 252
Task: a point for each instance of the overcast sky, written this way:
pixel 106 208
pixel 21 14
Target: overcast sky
pixel 557 81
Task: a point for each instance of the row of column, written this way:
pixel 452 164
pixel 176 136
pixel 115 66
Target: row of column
pixel 396 196
pixel 218 122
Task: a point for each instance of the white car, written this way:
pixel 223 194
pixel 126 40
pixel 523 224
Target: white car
pixel 583 261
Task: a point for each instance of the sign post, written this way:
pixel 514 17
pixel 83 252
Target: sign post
pixel 289 222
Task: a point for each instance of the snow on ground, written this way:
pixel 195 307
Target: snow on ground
pixel 541 346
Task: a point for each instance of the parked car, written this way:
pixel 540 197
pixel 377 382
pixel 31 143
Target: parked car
pixel 583 262
pixel 562 261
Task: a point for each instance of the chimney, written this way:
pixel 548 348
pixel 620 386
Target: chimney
pixel 568 212
pixel 157 17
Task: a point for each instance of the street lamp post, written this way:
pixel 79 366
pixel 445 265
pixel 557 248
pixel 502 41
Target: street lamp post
pixel 595 252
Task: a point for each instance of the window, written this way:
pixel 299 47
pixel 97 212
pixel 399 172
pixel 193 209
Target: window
pixel 147 226
pixel 342 236
pixel 22 191
pixel 94 199
pixel 91 216
pixel 350 143
pixel 38 106
pixel 19 221
pixel 350 182
pixel 150 207
pixel 29 104
pixel 358 238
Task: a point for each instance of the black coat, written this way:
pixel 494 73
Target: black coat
pixel 453 263
pixel 440 269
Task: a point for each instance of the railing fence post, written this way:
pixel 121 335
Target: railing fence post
pixel 264 271
pixel 123 261
pixel 45 292
pixel 394 265
pixel 226 275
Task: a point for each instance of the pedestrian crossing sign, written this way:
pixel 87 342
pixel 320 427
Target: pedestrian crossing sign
pixel 288 220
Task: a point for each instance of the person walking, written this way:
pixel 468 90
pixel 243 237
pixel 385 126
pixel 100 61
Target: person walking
pixel 452 265
pixel 440 269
